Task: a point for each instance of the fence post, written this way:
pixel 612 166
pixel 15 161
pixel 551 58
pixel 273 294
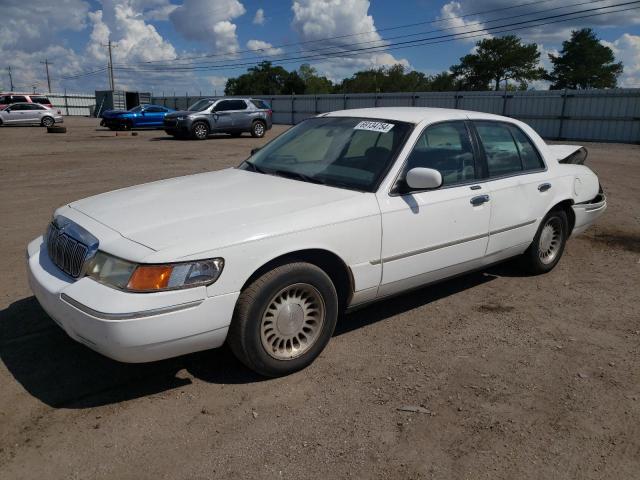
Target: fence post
pixel 562 112
pixel 66 101
pixel 293 111
pixel 344 102
pixel 457 97
pixel 315 104
pixel 413 99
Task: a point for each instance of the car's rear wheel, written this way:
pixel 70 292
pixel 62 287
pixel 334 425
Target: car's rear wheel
pixel 47 122
pixel 200 130
pixel 284 319
pixel 258 129
pixel 548 245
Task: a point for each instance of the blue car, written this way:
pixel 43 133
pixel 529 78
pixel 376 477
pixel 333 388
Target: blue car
pixel 142 116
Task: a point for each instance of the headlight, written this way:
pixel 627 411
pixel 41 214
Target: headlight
pixel 134 277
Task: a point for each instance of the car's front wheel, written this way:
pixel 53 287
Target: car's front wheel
pixel 200 130
pixel 47 122
pixel 548 245
pixel 284 319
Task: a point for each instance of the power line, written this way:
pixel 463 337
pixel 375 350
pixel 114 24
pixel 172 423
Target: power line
pixel 321 40
pixel 383 41
pixel 408 43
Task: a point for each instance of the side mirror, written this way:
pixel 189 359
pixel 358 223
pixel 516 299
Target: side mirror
pixel 423 178
pixel 7 109
pixel 254 150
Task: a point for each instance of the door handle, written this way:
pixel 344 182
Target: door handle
pixel 479 200
pixel 543 187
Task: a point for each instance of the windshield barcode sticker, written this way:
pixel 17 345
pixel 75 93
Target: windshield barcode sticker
pixel 374 126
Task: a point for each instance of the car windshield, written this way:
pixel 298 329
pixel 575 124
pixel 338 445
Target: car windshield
pixel 345 152
pixel 137 108
pixel 200 105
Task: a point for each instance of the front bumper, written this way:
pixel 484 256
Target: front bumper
pixel 129 327
pixel 587 213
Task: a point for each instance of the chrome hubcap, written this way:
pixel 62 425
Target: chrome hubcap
pixel 201 131
pixel 549 243
pixel 292 321
pixel 259 129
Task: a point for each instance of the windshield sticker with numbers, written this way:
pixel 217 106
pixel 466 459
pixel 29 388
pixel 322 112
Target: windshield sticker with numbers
pixel 374 126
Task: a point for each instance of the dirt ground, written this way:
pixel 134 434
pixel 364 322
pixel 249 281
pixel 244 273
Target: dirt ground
pixel 516 377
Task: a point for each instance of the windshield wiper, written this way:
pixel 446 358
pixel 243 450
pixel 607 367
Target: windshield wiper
pixel 254 167
pixel 297 176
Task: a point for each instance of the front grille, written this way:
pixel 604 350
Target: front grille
pixel 67 253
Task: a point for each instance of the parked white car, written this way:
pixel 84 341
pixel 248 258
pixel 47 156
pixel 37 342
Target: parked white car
pixel 30 114
pixel 341 210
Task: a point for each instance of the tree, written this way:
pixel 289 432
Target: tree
pixel 443 82
pixel 263 79
pixel 314 83
pixel 584 63
pixel 385 79
pixel 498 60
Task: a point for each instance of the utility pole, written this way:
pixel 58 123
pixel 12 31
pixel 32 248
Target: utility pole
pixel 10 78
pixel 46 66
pixel 111 81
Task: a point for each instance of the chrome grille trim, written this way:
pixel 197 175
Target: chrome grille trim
pixel 70 246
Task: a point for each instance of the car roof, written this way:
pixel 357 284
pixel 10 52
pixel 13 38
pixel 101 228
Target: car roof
pixel 415 114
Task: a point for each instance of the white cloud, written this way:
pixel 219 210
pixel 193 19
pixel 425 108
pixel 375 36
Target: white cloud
pixel 29 27
pixel 258 19
pixel 627 50
pixel 451 16
pixel 209 22
pixel 263 47
pixel 322 19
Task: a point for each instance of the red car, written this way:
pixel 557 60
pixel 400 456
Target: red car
pixel 8 98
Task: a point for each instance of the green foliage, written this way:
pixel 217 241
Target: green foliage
pixel 385 79
pixel 263 79
pixel 314 83
pixel 584 63
pixel 498 60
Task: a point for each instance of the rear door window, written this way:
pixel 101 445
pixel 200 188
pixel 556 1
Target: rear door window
pixel 41 100
pixel 503 157
pixel 531 159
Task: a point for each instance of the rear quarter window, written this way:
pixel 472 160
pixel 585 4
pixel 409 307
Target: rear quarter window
pixel 41 100
pixel 261 104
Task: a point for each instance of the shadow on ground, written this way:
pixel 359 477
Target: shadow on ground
pixel 65 374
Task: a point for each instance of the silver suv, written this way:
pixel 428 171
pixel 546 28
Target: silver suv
pixel 220 115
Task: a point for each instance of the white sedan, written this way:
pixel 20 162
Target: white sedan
pixel 343 209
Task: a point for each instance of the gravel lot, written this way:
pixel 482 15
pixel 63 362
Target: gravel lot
pixel 515 376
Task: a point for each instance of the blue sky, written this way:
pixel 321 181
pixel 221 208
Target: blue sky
pixel 159 42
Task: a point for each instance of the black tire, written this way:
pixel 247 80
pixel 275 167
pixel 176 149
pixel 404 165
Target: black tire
pixel 258 129
pixel 547 247
pixel 47 122
pixel 251 315
pixel 56 129
pixel 200 130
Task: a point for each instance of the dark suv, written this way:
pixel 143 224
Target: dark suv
pixel 220 115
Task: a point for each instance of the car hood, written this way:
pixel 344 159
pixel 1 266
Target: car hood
pixel 219 209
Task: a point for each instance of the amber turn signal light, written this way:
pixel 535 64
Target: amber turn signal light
pixel 150 278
